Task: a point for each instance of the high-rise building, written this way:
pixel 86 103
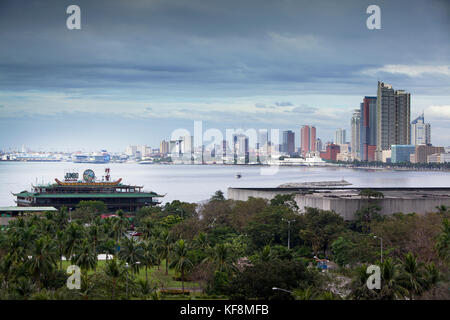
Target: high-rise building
pixel 307 139
pixel 331 152
pixel 423 151
pixel 143 150
pixel 438 158
pixel 288 146
pixel 164 147
pixel 187 144
pixel 312 141
pixel 175 148
pixel 262 144
pixel 356 130
pixel 420 131
pixel 368 127
pixel 131 151
pixel 340 136
pixel 393 117
pixel 402 153
pixel 318 147
pixel 241 147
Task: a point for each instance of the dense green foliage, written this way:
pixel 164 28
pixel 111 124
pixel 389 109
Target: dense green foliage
pixel 228 249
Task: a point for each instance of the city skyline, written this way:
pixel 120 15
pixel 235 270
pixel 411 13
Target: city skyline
pixel 148 69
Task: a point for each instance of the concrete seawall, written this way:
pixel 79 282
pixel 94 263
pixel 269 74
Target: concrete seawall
pixel 346 201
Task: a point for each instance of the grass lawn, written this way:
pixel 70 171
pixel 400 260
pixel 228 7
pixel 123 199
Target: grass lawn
pixel 154 275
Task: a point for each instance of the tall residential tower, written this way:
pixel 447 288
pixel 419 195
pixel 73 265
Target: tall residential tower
pixel 288 146
pixel 307 139
pixel 355 125
pixel 368 129
pixel 393 118
pixel 420 131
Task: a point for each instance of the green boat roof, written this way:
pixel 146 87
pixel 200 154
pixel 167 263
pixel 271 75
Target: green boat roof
pixel 85 185
pixel 27 209
pixel 91 195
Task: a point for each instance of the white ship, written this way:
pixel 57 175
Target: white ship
pixel 310 161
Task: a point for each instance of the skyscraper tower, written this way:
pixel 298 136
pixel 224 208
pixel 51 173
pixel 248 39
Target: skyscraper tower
pixel 420 131
pixel 340 137
pixel 393 117
pixel 288 142
pixel 307 139
pixel 355 124
pixel 368 129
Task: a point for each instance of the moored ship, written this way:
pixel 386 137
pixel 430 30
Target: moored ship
pixel 69 192
pixel 102 157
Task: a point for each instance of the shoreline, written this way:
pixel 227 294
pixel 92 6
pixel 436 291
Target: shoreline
pixel 328 165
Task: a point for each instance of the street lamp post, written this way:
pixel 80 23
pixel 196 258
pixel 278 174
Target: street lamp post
pixel 127 266
pixel 381 247
pixel 280 289
pixel 289 231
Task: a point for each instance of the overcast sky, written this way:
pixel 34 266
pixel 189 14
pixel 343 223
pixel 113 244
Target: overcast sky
pixel 137 70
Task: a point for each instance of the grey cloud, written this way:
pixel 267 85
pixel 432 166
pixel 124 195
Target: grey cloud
pixel 304 109
pixel 177 50
pixel 283 104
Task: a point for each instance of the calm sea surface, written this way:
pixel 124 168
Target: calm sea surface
pixel 195 183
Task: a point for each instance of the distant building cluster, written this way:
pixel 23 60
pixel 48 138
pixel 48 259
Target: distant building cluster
pixel 381 130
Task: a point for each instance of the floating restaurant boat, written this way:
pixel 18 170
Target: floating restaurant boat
pixel 69 192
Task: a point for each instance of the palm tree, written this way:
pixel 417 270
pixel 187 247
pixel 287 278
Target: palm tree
pixel 412 276
pixel 94 233
pixel 391 287
pixel 6 269
pixel 146 228
pixel 27 235
pixel 145 287
pixel 201 241
pixel 432 276
pixel 24 287
pixel 17 251
pixel 43 258
pixel 61 218
pixel 132 252
pixel 164 246
pixel 60 241
pixel 85 257
pixel 119 227
pixel 306 294
pixel 150 258
pixel 87 286
pixel 107 228
pixel 108 247
pixel 115 272
pixel 180 260
pixel 443 241
pixel 266 254
pixel 358 285
pixel 221 257
pixel 73 234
